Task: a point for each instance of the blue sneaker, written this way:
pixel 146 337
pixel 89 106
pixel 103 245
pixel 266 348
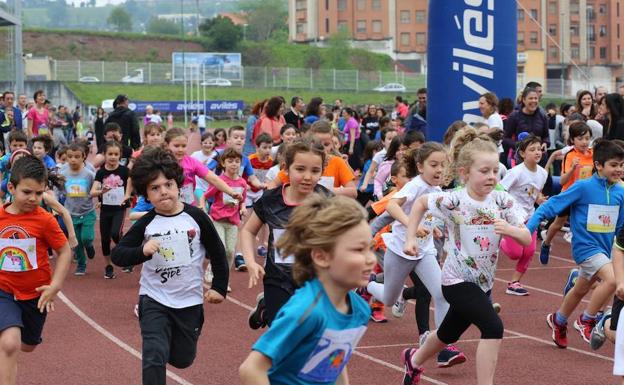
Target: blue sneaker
pixel 262 251
pixel 80 270
pixel 571 281
pixel 544 254
pixel 239 263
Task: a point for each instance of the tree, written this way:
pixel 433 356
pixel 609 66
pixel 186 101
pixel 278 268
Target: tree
pixel 164 27
pixel 222 33
pixel 265 18
pixel 120 20
pixel 57 11
pixel 338 50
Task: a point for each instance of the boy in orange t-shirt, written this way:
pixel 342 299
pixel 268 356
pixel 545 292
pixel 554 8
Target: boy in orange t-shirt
pixel 27 285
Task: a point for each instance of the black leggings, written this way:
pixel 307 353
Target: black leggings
pixel 111 225
pixel 279 286
pixel 423 299
pixel 468 305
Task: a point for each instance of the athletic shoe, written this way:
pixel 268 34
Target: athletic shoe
pixel 450 356
pixel 262 251
pixel 412 374
pixel 559 333
pixel 208 276
pixel 256 316
pixel 398 309
pixel 598 336
pixel 566 227
pixel 229 289
pixel 127 269
pixel 571 281
pixel 497 307
pixel 516 288
pixel 567 237
pixel 80 270
pixel 109 273
pixel 239 263
pixel 377 315
pixel 543 234
pixel 363 292
pixel 136 310
pixel 585 328
pixel 544 253
pixel 90 251
pixel 423 338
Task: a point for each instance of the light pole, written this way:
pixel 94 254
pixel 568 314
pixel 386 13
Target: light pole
pixel 245 31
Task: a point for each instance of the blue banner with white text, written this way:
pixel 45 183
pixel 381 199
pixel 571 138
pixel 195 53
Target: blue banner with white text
pixel 210 106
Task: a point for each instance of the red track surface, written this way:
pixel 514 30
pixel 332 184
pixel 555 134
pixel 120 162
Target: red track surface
pixel 76 353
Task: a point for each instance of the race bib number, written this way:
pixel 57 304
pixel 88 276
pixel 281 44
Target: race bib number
pixel 327 182
pixel 230 200
pixel 174 250
pixel 331 354
pixel 602 219
pixel 289 259
pixel 18 255
pixel 187 195
pixel 114 196
pixel 479 241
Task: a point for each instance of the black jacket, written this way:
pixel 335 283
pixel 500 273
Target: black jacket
pixel 127 120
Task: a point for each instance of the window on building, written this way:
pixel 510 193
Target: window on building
pixel 574 7
pixel 376 5
pixel 592 53
pixel 603 30
pixel 591 33
pixel 602 8
pixel 405 17
pixel 520 14
pixel 574 29
pixel 421 17
pixel 552 7
pixel 520 38
pixel 361 26
pixel 300 27
pixel 552 29
pixel 342 5
pixel 575 52
pixel 534 14
pixel 553 52
pixel 533 37
pixel 405 38
pixel 326 25
pixel 327 5
pixel 376 26
pixel 421 38
pixel 618 30
pixel 342 25
pixel 603 52
pixel 618 51
pixel 591 15
pixel 361 5
pixel 300 4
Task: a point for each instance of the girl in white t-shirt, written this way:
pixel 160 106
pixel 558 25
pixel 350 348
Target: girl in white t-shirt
pixel 476 217
pixel 430 161
pixel 205 155
pixel 525 183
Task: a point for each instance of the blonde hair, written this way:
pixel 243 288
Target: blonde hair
pixel 315 225
pixel 465 145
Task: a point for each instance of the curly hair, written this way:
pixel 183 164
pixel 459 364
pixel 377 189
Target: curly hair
pixel 150 164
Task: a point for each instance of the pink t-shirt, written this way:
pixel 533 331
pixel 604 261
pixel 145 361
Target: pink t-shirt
pixel 39 119
pixel 352 123
pixel 191 168
pixel 402 110
pixel 225 208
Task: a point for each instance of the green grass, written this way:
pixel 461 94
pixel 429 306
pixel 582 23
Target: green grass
pixel 95 93
pixel 118 35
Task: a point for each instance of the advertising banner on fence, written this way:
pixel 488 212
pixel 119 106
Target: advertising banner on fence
pixel 206 65
pixel 212 106
pixel 471 50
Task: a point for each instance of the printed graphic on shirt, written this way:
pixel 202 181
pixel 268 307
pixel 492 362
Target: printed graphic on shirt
pixel 327 182
pixel 174 250
pixel 18 251
pixel 77 187
pixel 186 194
pixel 114 196
pixel 289 259
pixel 602 219
pixel 331 354
pixel 585 172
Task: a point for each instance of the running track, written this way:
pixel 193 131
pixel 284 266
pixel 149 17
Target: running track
pixel 93 337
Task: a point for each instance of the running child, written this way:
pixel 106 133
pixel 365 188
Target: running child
pixel 41 147
pixel 111 189
pixel 152 136
pixel 596 206
pixel 304 162
pixel 288 134
pixel 476 217
pixel 79 203
pixel 112 131
pixel 205 155
pixel 27 288
pixel 578 164
pixel 318 329
pixel 177 141
pixel 525 183
pixel 171 241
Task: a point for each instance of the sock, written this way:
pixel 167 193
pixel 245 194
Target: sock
pixel 587 317
pixel 560 319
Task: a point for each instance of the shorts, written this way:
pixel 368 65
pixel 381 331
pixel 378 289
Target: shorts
pixel 252 197
pixel 618 304
pixel 592 265
pixel 22 314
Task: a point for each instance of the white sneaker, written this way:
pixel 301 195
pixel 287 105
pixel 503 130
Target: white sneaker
pixel 136 310
pixel 543 234
pixel 208 276
pixel 568 237
pixel 398 309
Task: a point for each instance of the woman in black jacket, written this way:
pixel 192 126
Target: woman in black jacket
pixel 127 120
pixel 98 125
pixel 614 106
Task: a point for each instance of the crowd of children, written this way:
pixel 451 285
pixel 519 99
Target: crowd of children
pixel 330 214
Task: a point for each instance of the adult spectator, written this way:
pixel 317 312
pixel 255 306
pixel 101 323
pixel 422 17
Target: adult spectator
pixel 400 107
pixel 38 116
pixel 621 90
pixel 527 119
pixel 271 121
pixel 127 120
pixel 353 144
pixel 599 93
pixel 67 123
pixel 371 121
pixel 314 110
pixel 420 105
pixel 488 105
pixel 149 111
pixel 22 104
pixel 585 104
pixel 505 108
pixel 295 115
pixel 9 98
pixel 98 126
pixel 614 110
pixel 76 116
pixel 256 111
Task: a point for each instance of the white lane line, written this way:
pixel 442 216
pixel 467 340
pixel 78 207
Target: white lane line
pixel 415 343
pixel 365 356
pixel 112 337
pixel 537 268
